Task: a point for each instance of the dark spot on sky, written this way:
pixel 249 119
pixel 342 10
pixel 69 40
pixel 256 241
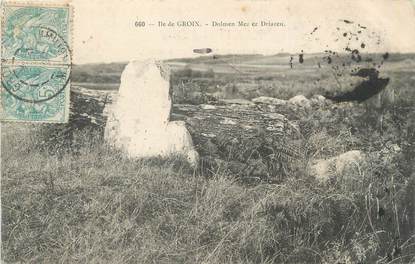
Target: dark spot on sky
pixel 354 45
pixel 202 51
pixel 314 30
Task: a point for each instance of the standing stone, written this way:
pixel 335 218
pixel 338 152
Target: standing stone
pixel 139 122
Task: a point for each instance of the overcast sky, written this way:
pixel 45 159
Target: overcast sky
pixel 104 30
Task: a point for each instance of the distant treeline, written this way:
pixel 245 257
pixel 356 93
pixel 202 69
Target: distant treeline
pixel 187 73
pixel 98 73
pixel 111 73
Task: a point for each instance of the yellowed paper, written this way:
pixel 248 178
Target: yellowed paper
pixel 240 131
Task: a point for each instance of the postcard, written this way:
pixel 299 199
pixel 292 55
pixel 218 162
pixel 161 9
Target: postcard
pixel 241 131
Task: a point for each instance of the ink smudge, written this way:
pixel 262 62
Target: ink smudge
pixel 329 60
pixel 365 89
pixel 202 51
pixel 356 56
pixel 352 62
pixel 314 30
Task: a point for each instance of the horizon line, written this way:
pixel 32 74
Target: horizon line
pixel 249 54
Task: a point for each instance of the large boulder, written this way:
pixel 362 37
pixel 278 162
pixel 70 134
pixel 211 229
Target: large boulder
pixel 226 135
pixel 139 121
pixel 244 139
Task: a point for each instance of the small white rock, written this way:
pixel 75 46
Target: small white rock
pixel 300 100
pixel 318 100
pixel 275 116
pixel 208 107
pixel 323 169
pixel 208 135
pixel 228 121
pixel 269 100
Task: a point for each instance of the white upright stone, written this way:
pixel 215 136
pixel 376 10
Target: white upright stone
pixel 139 122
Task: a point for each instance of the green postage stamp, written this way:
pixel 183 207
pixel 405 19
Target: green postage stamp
pixel 35 62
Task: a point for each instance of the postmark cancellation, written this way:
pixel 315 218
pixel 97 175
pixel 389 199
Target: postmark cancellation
pixel 35 62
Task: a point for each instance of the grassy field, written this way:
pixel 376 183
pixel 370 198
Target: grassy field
pixel 79 201
pixel 82 202
pixel 250 76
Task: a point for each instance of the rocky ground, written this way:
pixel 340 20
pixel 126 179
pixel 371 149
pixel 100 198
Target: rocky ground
pixel 334 178
pixel 265 137
pixel 285 176
pixel 280 181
